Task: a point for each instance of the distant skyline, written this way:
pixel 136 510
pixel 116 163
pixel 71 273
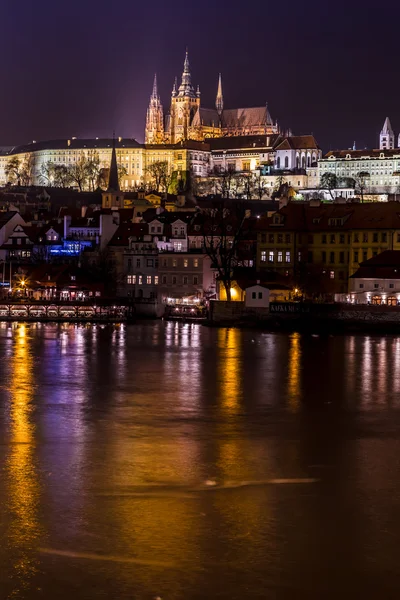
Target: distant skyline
pixel 87 68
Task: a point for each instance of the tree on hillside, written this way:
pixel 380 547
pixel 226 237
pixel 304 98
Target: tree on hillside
pixel 13 170
pixel 260 188
pixel 361 183
pixel 223 228
pixel 78 172
pixel 225 181
pixel 330 182
pixel 159 175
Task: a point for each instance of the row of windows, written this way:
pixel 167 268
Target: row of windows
pixel 280 238
pixel 185 280
pixel 174 262
pixel 279 256
pixel 141 279
pixel 377 286
pixel 333 238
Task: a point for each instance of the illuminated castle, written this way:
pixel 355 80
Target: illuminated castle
pixel 188 120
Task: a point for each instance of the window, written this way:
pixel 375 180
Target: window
pixel 365 255
pixel 384 237
pixel 356 256
pixel 195 280
pixel 150 262
pixel 174 280
pixel 271 256
pixel 155 279
pixel 165 262
pixel 263 256
pixel 374 238
pixel 356 238
pixel 271 238
pixel 341 257
pixel 263 238
pixel 164 279
pixel 333 238
pixel 185 280
pixel 138 262
pixel 174 262
pixel 148 279
pixel 185 262
pixel 260 295
pixel 361 286
pixel 140 279
pixel 323 256
pixel 342 238
pixel 376 285
pixel 129 263
pixel 365 238
pixel 332 274
pixel 287 257
pixel 286 162
pixel 196 262
pixel 280 238
pixel 253 295
pixel 280 257
pixel 332 257
pixel 287 238
pixel 324 238
pixel 391 285
pixel 310 239
pixel 299 256
pixel 73 277
pixel 374 254
pixel 131 279
pixel 310 257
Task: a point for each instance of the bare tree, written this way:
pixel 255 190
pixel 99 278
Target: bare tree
pixel 78 172
pixel 259 186
pixel 223 229
pixel 93 169
pixel 361 183
pixel 224 180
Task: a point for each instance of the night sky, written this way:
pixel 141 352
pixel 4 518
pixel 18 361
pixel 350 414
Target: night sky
pixel 85 67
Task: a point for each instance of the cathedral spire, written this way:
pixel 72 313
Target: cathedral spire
pixel 219 102
pixel 113 181
pixel 186 88
pixel 155 89
pixel 174 87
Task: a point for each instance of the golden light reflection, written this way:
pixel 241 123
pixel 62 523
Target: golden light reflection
pixel 294 373
pixel 230 368
pixel 24 489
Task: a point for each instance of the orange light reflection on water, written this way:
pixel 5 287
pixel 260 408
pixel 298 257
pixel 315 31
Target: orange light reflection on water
pixel 23 483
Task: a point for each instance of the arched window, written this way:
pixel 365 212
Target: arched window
pixel 297 162
pixel 286 162
pixel 308 161
pixel 278 162
pixel 303 162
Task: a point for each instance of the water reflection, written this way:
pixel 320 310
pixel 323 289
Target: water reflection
pixel 24 489
pixel 229 343
pixel 294 373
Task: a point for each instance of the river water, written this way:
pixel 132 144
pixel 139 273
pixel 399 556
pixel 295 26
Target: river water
pixel 174 461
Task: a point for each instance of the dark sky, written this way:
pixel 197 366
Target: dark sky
pixel 85 67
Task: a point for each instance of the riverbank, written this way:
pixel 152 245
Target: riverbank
pixel 307 317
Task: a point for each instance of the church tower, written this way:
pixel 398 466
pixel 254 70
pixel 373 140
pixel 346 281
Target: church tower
pixel 219 102
pixel 113 197
pixel 386 138
pixel 155 118
pixel 185 102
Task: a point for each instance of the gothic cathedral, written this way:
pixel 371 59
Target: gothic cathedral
pixel 187 120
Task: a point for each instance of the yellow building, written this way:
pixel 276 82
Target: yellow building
pixel 319 246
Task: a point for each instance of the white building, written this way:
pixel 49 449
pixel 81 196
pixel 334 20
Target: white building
pixel 377 281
